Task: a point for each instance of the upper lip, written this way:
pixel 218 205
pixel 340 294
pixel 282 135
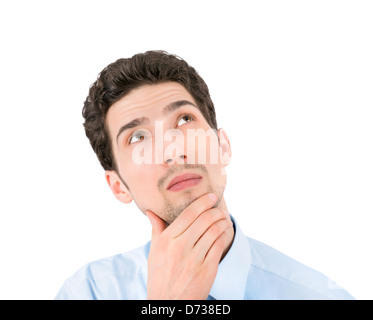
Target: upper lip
pixel 182 177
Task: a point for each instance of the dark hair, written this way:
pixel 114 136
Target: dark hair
pixel 124 75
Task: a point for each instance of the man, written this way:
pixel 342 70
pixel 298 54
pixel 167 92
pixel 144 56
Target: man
pixel 152 124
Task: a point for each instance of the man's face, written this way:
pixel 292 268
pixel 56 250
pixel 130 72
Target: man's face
pixel 166 152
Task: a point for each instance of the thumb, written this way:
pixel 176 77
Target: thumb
pixel 158 225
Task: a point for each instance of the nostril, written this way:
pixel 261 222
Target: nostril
pixel 180 159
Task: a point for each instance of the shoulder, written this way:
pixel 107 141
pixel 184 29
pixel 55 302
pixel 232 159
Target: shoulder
pixel 108 278
pixel 277 276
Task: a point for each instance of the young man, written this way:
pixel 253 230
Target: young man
pixel 152 124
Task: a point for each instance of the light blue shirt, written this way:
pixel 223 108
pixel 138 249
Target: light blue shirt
pixel 250 270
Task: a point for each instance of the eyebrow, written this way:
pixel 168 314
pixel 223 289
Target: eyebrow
pixel 167 110
pixel 132 124
pixel 176 105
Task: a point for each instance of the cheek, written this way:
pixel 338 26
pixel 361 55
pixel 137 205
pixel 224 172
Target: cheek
pixel 144 189
pixel 141 178
pixel 217 174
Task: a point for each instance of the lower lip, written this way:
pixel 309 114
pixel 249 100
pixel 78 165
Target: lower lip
pixel 185 184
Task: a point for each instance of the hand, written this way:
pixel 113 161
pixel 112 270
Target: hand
pixel 184 257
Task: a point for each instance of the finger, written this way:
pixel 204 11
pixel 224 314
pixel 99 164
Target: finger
pixel 190 213
pixel 203 222
pixel 215 253
pixel 158 225
pixel 212 243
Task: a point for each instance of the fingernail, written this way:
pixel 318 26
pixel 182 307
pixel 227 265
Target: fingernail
pixel 212 196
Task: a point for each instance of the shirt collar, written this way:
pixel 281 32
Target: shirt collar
pixel 230 281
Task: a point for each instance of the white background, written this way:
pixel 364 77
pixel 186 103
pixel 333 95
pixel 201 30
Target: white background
pixel 292 83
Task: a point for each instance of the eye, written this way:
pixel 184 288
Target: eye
pixel 185 119
pixel 137 136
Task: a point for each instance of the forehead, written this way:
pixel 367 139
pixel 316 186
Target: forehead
pixel 145 101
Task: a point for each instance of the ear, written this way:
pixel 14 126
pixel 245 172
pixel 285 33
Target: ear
pixel 225 151
pixel 118 188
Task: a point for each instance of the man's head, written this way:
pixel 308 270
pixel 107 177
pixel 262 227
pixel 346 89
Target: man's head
pixel 131 108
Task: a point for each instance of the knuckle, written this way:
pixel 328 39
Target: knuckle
pixel 214 215
pixel 204 202
pixel 216 229
pixel 222 214
pixel 209 216
pixel 228 222
pixel 219 243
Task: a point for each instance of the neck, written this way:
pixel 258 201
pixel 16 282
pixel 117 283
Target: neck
pixel 229 233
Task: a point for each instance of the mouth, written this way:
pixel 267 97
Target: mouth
pixel 184 181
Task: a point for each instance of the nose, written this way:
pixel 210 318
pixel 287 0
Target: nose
pixel 180 160
pixel 174 152
pixel 174 147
